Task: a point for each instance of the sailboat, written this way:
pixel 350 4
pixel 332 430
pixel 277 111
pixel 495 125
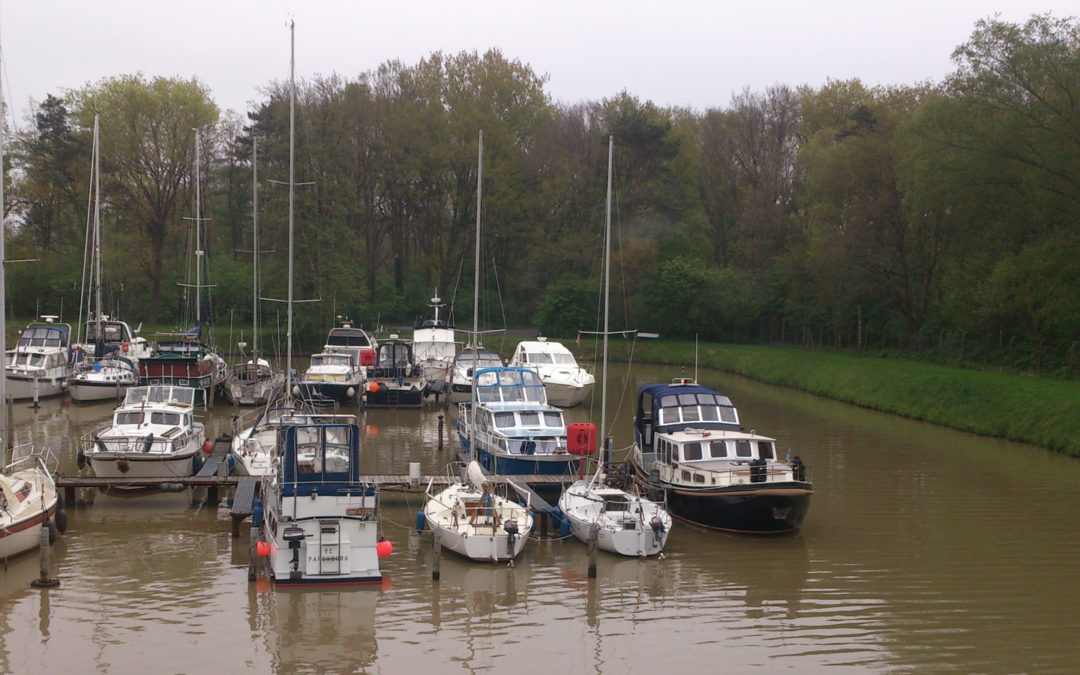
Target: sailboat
pixel 625 523
pixel 189 359
pixel 28 497
pixel 106 360
pixel 469 517
pixel 321 524
pixel 254 382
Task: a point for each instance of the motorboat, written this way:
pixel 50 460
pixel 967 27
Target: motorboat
pixel 434 347
pixel 184 360
pixel 566 382
pixel 337 373
pixel 466 362
pixel 105 379
pixel 474 521
pixel 105 336
pixel 321 522
pixel 152 434
pixel 40 364
pixel 688 444
pixel 395 380
pixel 511 428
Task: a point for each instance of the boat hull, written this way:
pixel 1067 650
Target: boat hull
pixel 628 532
pixel 476 535
pixel 96 391
pixel 143 465
pixel 24 535
pixel 566 395
pixel 394 397
pixel 773 510
pixel 337 392
pixel 22 388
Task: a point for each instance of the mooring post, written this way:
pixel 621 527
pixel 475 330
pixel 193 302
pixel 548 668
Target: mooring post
pixel 544 518
pixel 440 432
pixel 37 383
pixel 45 581
pixel 594 534
pixel 436 558
pixel 69 494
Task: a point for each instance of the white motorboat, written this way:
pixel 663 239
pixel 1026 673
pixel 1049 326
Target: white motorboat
pixel 476 523
pixel 435 347
pixel 254 446
pixel 566 382
pixel 626 524
pixel 40 364
pixel 466 362
pixel 153 434
pixel 103 379
pixel 332 376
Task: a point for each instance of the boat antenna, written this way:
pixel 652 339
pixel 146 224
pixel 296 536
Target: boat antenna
pixel 695 357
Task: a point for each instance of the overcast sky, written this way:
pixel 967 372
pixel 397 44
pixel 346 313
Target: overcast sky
pixel 672 52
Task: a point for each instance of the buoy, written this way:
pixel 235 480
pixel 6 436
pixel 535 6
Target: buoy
pixel 208 447
pixel 350 392
pixel 60 517
pixel 257 513
pixel 80 459
pixel 373 387
pixel 564 527
pixel 52 531
pixel 421 519
pixel 196 464
pixel 262 549
pixel 384 548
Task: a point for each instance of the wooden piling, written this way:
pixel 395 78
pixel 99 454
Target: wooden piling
pixel 440 432
pixel 45 581
pixel 594 534
pixel 436 558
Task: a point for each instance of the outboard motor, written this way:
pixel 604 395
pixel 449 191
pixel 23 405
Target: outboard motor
pixel 294 535
pixel 657 526
pixel 511 529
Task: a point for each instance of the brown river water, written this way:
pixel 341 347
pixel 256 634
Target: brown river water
pixel 924 549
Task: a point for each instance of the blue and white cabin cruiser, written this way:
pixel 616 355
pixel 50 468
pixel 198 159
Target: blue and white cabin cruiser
pixel 153 434
pixel 689 443
pixel 461 374
pixel 516 432
pixel 567 383
pixel 40 364
pixel 396 380
pixel 321 521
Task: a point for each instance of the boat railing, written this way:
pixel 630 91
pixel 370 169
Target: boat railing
pixel 27 455
pixel 145 445
pixel 743 474
pixel 520 446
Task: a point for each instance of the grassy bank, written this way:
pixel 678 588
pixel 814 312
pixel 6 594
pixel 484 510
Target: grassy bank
pixel 1027 409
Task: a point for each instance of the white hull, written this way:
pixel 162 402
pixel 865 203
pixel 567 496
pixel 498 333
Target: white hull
pixel 627 531
pixel 20 527
pixel 88 391
pixel 566 395
pixel 483 538
pixel 136 465
pixel 24 387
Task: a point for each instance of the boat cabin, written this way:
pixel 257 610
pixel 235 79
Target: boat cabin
pixel 503 385
pixel 392 358
pixel 678 406
pixel 321 459
pixel 542 353
pixel 39 337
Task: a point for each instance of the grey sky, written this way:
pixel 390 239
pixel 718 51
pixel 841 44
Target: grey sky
pixel 674 52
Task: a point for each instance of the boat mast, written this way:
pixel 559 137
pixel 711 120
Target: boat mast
pixel 3 291
pixel 476 295
pixel 97 224
pixel 255 248
pixel 292 149
pixel 607 288
pixel 198 243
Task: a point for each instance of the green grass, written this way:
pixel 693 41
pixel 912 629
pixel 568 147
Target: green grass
pixel 1032 410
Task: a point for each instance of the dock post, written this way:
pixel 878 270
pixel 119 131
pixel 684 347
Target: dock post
pixel 45 581
pixel 594 533
pixel 37 383
pixel 436 558
pixel 414 474
pixel 69 494
pixel 544 518
pixel 253 555
pixel 440 432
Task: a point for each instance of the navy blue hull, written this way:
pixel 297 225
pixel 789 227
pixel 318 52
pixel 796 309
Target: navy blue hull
pixel 770 511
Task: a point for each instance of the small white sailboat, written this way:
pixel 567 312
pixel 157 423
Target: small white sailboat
pixel 28 496
pixel 625 523
pixel 255 381
pixel 106 361
pixel 476 523
pixel 470 519
pixel 566 382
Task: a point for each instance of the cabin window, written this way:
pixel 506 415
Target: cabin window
pixel 504 419
pixel 691 451
pixel 539 358
pixel 553 419
pixel 717 449
pixel 565 360
pixel 710 413
pixel 728 415
pixel 128 417
pixel 765 450
pixel 742 449
pixel 665 451
pixel 690 413
pixel 669 401
pixel 687 399
pixel 529 419
pixel 669 416
pixel 171 419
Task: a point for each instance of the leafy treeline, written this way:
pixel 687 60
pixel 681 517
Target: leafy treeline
pixel 937 218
